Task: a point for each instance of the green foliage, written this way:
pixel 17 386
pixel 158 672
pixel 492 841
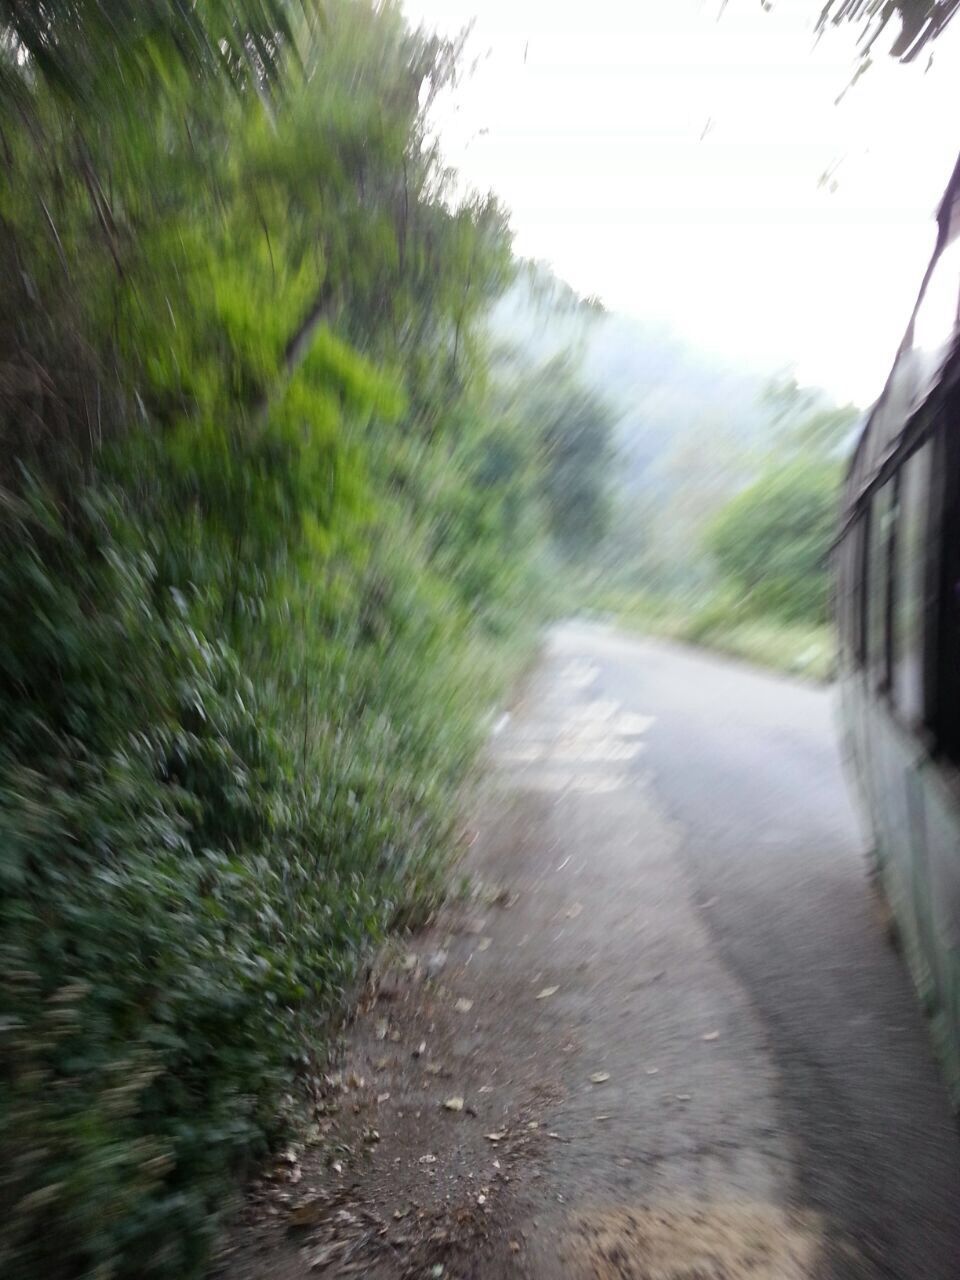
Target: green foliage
pixel 735 555
pixel 575 429
pixel 268 547
pixel 771 541
pixel 805 424
pixel 86 48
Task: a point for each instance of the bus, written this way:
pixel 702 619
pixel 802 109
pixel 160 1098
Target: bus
pixel 897 600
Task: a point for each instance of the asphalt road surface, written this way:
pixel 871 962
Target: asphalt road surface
pixel 708 832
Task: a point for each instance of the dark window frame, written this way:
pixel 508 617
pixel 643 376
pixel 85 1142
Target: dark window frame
pixel 861 584
pixel 892 540
pixel 881 510
pixel 944 690
pixel 927 619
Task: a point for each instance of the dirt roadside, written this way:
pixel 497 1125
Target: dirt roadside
pixel 558 1077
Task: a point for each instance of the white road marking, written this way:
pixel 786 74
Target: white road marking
pixel 580 744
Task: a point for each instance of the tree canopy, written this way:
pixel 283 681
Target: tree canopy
pixel 921 21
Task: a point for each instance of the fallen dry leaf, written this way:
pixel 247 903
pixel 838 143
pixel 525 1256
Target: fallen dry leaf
pixel 546 992
pixel 749 1242
pixel 309 1213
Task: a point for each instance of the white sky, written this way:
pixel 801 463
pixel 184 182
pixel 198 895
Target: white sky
pixel 588 119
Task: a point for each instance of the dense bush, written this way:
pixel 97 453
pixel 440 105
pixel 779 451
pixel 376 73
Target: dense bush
pixel 265 555
pixel 771 542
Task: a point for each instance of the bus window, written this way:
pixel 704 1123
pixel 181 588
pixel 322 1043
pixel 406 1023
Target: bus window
pixel 858 592
pixel 910 586
pixel 851 598
pixel 879 596
pixel 946 656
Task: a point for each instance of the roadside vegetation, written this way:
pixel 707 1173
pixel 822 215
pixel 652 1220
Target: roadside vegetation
pixel 795 648
pixel 733 552
pixel 277 531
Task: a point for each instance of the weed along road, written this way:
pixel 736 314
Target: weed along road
pixel 666 1037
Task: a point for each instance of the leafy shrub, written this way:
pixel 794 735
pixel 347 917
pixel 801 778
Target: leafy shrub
pixel 245 648
pixel 187 896
pixel 771 541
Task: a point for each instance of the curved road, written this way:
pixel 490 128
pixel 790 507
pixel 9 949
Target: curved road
pixel 678 1045
pixel 743 768
pixel 749 766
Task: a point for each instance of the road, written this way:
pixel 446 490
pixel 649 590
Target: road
pixel 665 1039
pixel 709 831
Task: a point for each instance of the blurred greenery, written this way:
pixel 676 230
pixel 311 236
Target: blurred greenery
pixel 575 434
pixel 770 542
pixel 274 539
pixel 731 548
pixel 720 624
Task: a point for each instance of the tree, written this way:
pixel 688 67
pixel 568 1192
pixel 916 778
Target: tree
pixel 921 21
pixel 770 542
pixel 574 427
pixel 806 422
pixel 87 49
